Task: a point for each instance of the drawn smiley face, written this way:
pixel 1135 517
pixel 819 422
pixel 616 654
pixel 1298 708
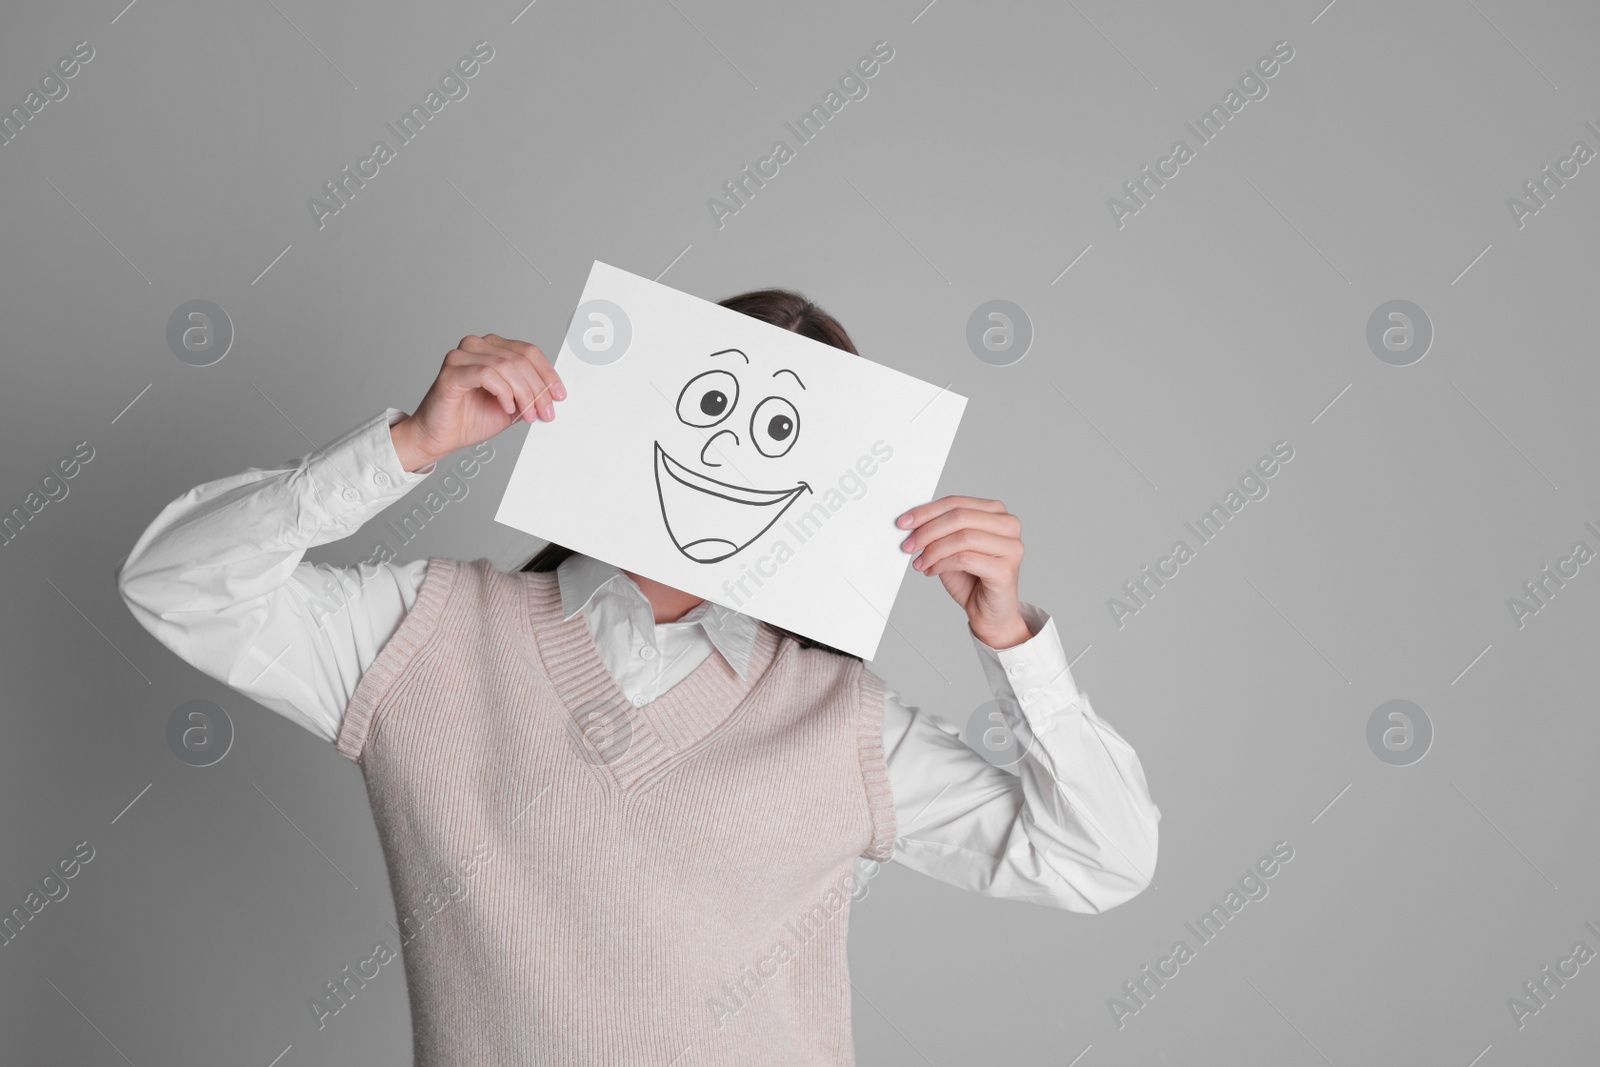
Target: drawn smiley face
pixel 711 518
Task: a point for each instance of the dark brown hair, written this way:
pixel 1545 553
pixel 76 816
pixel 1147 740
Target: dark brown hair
pixel 787 310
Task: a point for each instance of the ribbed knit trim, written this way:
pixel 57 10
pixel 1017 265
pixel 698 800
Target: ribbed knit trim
pixel 874 769
pixel 664 731
pixel 414 631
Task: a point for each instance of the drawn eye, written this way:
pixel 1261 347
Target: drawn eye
pixel 774 426
pixel 708 398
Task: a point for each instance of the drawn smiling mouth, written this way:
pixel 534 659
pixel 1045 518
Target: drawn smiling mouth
pixel 711 520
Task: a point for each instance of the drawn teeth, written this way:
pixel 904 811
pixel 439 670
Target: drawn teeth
pixel 710 520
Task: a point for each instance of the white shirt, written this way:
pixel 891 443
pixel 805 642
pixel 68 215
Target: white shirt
pixel 219 579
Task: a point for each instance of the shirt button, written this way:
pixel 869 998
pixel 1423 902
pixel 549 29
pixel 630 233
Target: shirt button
pixel 647 652
pixel 381 478
pixel 640 700
pixel 1032 694
pixel 1017 669
pixel 351 495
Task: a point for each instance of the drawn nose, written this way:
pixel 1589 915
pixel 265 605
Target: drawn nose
pixel 705 453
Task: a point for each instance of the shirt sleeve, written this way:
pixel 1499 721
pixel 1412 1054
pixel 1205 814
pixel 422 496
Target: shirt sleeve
pixel 1058 814
pixel 218 577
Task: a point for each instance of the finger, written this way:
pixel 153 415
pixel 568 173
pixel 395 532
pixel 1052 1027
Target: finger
pixel 532 365
pixel 923 512
pixel 533 395
pixel 541 365
pixel 488 377
pixel 474 345
pixel 1003 523
pixel 529 391
pixel 968 540
pixel 989 569
pixel 534 356
pixel 473 349
pixel 467 377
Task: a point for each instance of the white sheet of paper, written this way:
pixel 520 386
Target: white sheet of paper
pixel 733 459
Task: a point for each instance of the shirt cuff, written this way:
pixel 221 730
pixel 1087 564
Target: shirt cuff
pixel 359 474
pixel 1034 675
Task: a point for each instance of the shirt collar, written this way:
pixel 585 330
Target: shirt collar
pixel 583 578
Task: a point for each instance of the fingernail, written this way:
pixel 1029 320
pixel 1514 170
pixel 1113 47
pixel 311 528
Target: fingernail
pixel 904 521
pixel 548 413
pixel 558 391
pixel 909 544
pixel 917 563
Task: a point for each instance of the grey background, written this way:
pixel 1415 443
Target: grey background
pixel 1224 317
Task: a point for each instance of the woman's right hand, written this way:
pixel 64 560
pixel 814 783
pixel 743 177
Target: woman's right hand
pixel 485 385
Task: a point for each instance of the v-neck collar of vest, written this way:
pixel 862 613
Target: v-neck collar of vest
pixel 635 745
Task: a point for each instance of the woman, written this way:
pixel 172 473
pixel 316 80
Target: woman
pixel 623 824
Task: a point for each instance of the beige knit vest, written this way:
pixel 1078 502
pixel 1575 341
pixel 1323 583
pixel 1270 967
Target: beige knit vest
pixel 580 881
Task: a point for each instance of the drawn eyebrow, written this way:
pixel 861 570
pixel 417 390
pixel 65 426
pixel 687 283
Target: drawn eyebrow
pixel 791 374
pixel 725 351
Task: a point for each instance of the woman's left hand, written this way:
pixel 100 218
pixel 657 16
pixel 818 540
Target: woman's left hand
pixel 975 547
